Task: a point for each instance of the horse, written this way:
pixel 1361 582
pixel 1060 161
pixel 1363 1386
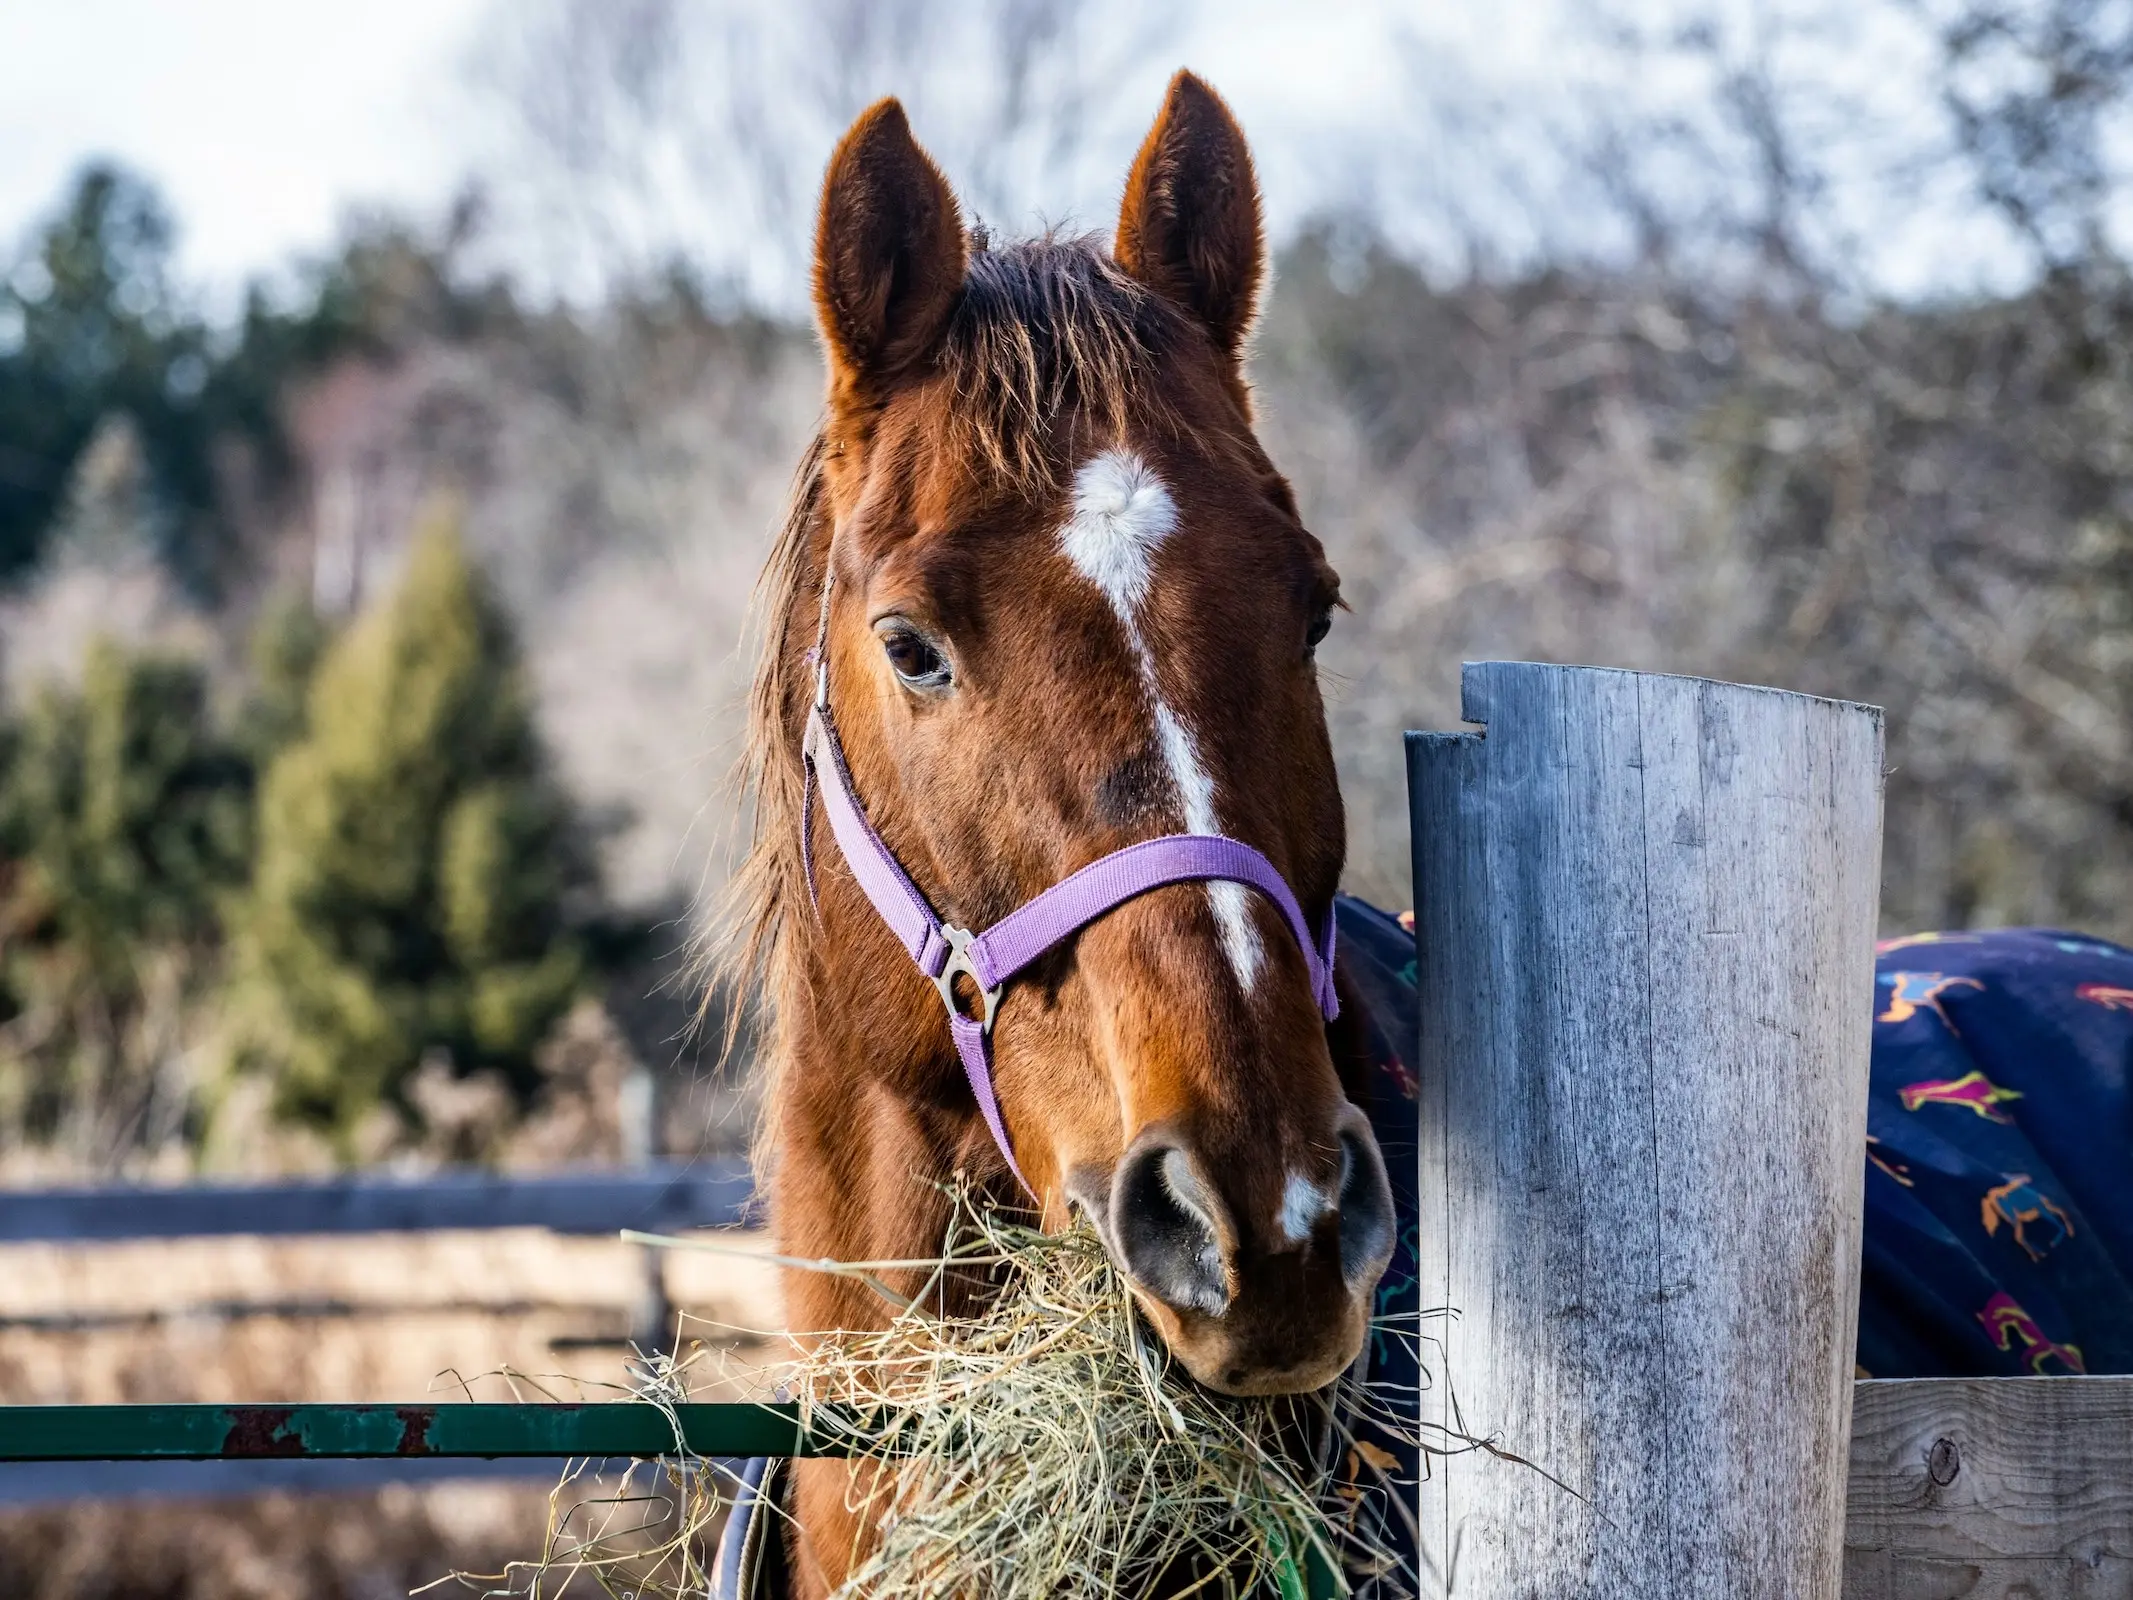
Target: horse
pixel 1038 658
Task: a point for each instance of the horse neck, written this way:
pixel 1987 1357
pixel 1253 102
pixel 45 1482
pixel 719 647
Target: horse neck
pixel 868 1125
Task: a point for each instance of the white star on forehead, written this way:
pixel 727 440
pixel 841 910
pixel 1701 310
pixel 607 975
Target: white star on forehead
pixel 1122 516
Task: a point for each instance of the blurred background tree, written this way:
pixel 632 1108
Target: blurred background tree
pixel 420 878
pixel 287 642
pixel 103 332
pixel 100 330
pixel 124 822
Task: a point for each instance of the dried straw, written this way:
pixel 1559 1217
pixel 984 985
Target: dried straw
pixel 1050 1447
pixel 1047 1447
pixel 645 1534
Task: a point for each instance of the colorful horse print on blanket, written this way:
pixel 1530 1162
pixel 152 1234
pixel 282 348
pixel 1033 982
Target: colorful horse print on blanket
pixel 1999 1184
pixel 1999 1159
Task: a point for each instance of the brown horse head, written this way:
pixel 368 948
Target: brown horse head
pixel 1072 608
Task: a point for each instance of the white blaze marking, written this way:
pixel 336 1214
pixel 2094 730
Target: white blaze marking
pixel 1302 1204
pixel 1122 515
pixel 1197 791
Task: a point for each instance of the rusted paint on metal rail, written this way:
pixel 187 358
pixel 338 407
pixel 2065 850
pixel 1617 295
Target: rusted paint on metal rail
pixel 355 1432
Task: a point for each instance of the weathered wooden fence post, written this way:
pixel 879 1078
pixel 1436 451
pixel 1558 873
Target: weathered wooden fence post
pixel 1645 910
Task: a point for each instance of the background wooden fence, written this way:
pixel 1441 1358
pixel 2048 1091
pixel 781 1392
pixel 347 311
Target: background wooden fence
pixel 653 1197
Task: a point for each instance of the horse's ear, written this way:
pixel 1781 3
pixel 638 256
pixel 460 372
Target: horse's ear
pixel 1190 226
pixel 889 252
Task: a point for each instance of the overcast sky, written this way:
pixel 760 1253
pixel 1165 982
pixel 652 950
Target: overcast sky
pixel 260 121
pixel 264 123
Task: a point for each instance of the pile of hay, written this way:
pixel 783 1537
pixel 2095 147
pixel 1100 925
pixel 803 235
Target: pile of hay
pixel 1052 1449
pixel 1047 1447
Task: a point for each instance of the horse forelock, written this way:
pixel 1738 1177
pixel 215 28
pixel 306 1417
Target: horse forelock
pixel 1050 345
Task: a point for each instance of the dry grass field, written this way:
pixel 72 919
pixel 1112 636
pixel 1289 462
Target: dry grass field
pixel 387 1317
pixel 376 1546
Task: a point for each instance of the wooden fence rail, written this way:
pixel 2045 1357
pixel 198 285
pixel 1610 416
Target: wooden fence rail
pixel 657 1197
pixel 1991 1489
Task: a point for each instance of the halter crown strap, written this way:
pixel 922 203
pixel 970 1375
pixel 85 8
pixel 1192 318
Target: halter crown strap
pixel 943 951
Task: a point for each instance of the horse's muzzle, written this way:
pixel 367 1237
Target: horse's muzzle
pixel 1259 1287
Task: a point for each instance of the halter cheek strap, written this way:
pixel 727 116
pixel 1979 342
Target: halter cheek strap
pixel 943 951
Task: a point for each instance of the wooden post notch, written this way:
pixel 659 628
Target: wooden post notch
pixel 1645 913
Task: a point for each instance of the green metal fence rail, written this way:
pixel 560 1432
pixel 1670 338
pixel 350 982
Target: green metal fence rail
pixel 258 1433
pixel 465 1431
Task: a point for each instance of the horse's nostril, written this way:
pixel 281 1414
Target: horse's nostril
pixel 1163 1220
pixel 1366 1226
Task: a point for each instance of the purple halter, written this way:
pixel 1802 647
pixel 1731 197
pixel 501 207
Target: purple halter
pixel 943 950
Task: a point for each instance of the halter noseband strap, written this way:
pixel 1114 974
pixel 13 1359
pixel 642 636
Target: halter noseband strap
pixel 944 951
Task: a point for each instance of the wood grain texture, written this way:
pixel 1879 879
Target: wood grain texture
pixel 1645 917
pixel 1991 1489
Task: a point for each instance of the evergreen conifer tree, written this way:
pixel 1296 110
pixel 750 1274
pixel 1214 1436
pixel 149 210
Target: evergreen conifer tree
pixel 124 826
pixel 286 643
pixel 419 874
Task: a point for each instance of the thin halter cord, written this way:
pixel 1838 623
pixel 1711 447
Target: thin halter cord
pixel 943 951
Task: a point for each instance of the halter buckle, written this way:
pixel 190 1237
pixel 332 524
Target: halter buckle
pixel 959 941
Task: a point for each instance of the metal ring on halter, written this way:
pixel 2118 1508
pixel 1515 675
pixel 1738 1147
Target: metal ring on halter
pixel 958 941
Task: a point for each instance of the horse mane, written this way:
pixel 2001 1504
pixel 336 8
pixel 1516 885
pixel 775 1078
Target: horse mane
pixel 1050 342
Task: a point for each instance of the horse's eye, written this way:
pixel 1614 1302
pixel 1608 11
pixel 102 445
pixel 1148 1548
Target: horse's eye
pixel 915 660
pixel 1321 625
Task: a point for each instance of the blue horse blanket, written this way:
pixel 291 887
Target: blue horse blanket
pixel 1999 1180
pixel 1999 1153
pixel 1999 1163
pixel 1999 1158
